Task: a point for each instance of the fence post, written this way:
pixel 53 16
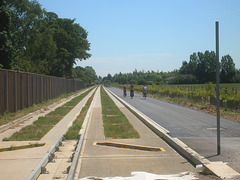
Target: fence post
pixel 44 95
pixel 21 91
pixel 47 94
pixel 15 91
pixel 6 89
pixel 40 88
pixel 32 89
pixel 28 89
pixel 36 77
pixel 48 87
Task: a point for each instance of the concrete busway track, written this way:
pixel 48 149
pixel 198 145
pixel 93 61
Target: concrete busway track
pixel 218 168
pixel 65 161
pixel 19 164
pixel 104 161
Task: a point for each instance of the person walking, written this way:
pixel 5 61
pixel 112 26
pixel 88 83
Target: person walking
pixel 145 91
pixel 132 91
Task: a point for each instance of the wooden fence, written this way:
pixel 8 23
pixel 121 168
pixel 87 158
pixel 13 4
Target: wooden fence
pixel 19 89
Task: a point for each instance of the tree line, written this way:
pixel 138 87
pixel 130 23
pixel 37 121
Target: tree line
pixel 35 40
pixel 201 68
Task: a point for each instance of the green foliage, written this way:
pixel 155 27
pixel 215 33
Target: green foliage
pixel 39 41
pixel 87 74
pixel 5 43
pixel 140 77
pixel 183 79
pixel 227 69
pixel 202 66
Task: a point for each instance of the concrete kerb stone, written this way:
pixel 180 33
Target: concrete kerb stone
pixel 221 170
pixel 190 154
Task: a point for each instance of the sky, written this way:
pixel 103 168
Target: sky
pixel 151 35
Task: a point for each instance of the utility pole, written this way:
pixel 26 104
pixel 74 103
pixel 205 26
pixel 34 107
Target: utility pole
pixel 217 89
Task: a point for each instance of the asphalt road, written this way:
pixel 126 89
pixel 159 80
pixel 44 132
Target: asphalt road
pixel 195 128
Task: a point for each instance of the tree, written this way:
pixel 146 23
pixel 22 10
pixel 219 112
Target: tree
pixel 109 77
pixel 5 43
pixel 25 15
pixel 72 44
pixel 42 42
pixel 184 68
pixel 79 73
pixel 227 69
pixel 87 74
pixel 236 78
pixel 201 65
pixel 192 66
pixel 90 74
pixel 183 79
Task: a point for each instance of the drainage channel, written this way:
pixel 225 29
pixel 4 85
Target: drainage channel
pixel 128 146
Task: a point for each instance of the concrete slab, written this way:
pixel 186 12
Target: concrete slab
pixel 222 170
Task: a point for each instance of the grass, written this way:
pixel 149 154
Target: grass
pixel 73 131
pixel 115 123
pixel 43 125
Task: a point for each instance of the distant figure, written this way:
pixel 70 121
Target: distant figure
pixel 132 91
pixel 124 91
pixel 145 91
